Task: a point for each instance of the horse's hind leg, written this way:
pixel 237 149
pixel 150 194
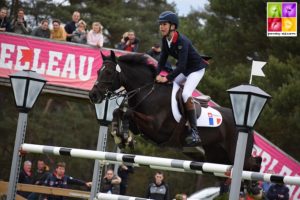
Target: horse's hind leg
pixel 216 154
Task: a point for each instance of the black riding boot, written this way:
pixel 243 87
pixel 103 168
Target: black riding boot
pixel 193 138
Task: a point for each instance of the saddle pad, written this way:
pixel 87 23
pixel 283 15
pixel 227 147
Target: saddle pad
pixel 209 116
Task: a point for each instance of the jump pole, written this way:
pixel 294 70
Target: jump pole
pixel 105 196
pixel 158 163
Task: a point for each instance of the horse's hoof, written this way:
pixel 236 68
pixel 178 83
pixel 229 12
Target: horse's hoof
pixel 121 146
pixel 192 142
pixel 125 136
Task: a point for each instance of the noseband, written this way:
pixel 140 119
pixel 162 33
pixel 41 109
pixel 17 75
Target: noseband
pixel 115 83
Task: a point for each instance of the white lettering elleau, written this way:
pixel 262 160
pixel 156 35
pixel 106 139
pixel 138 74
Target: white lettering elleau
pixel 72 67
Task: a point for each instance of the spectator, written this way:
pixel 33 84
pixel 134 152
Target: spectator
pixel 79 35
pixel 41 173
pixel 70 27
pixel 254 191
pixel 278 191
pixel 129 42
pixel 26 177
pixel 95 36
pixel 123 173
pixel 39 177
pixel 59 180
pixel 111 183
pixel 4 23
pixel 154 52
pixel 242 196
pixel 266 185
pixel 158 190
pixel 43 30
pixel 57 33
pixel 19 25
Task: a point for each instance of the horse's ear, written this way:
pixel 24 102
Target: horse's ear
pixel 103 56
pixel 113 56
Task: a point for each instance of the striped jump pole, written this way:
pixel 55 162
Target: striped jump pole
pixel 159 163
pixel 104 196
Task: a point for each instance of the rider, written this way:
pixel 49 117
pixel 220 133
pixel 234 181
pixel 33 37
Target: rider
pixel 190 67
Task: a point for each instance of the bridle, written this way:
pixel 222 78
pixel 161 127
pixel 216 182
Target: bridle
pixel 111 92
pixel 114 81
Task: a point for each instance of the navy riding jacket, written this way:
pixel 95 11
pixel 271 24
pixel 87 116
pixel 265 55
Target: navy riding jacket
pixel 189 60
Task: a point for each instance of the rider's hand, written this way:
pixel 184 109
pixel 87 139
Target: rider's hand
pixel 158 77
pixel 161 79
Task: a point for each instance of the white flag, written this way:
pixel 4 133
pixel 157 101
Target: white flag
pixel 257 68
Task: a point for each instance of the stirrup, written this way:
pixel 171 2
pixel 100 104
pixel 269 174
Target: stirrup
pixel 193 139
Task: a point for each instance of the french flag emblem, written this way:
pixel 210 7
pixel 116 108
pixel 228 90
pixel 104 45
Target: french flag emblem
pixel 210 119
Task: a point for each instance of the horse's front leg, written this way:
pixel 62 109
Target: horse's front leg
pixel 115 125
pixel 125 124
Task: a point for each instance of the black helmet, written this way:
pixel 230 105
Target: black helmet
pixel 168 16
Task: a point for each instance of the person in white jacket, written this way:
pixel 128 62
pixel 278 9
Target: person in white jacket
pixel 95 36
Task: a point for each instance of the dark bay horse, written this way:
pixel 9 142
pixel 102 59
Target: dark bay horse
pixel 150 106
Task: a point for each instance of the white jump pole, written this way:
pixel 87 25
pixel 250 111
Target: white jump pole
pixel 104 196
pixel 159 163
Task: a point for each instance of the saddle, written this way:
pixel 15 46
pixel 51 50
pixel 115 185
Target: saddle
pixel 207 116
pixel 200 101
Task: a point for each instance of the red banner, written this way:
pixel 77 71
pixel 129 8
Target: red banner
pixel 61 63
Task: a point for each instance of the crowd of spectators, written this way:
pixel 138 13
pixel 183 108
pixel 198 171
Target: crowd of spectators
pixel 75 31
pixel 44 177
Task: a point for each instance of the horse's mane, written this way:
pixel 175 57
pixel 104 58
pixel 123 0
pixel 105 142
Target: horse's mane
pixel 137 59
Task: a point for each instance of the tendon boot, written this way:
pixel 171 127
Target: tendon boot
pixel 193 138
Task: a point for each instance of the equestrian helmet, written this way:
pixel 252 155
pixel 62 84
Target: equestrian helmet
pixel 169 16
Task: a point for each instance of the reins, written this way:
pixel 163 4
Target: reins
pixel 127 95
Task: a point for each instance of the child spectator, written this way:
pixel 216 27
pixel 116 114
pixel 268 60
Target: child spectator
pixel 4 23
pixel 71 26
pixel 129 42
pixel 158 190
pixel 79 35
pixel 19 25
pixel 57 33
pixel 43 30
pixel 59 180
pixel 95 36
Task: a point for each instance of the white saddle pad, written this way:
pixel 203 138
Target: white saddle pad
pixel 209 116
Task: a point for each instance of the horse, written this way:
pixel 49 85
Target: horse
pixel 149 108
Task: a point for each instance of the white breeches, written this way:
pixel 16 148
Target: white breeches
pixel 191 82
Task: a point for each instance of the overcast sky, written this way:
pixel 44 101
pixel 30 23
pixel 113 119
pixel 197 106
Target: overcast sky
pixel 184 6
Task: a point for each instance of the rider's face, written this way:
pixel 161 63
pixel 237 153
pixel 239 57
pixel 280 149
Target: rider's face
pixel 164 28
